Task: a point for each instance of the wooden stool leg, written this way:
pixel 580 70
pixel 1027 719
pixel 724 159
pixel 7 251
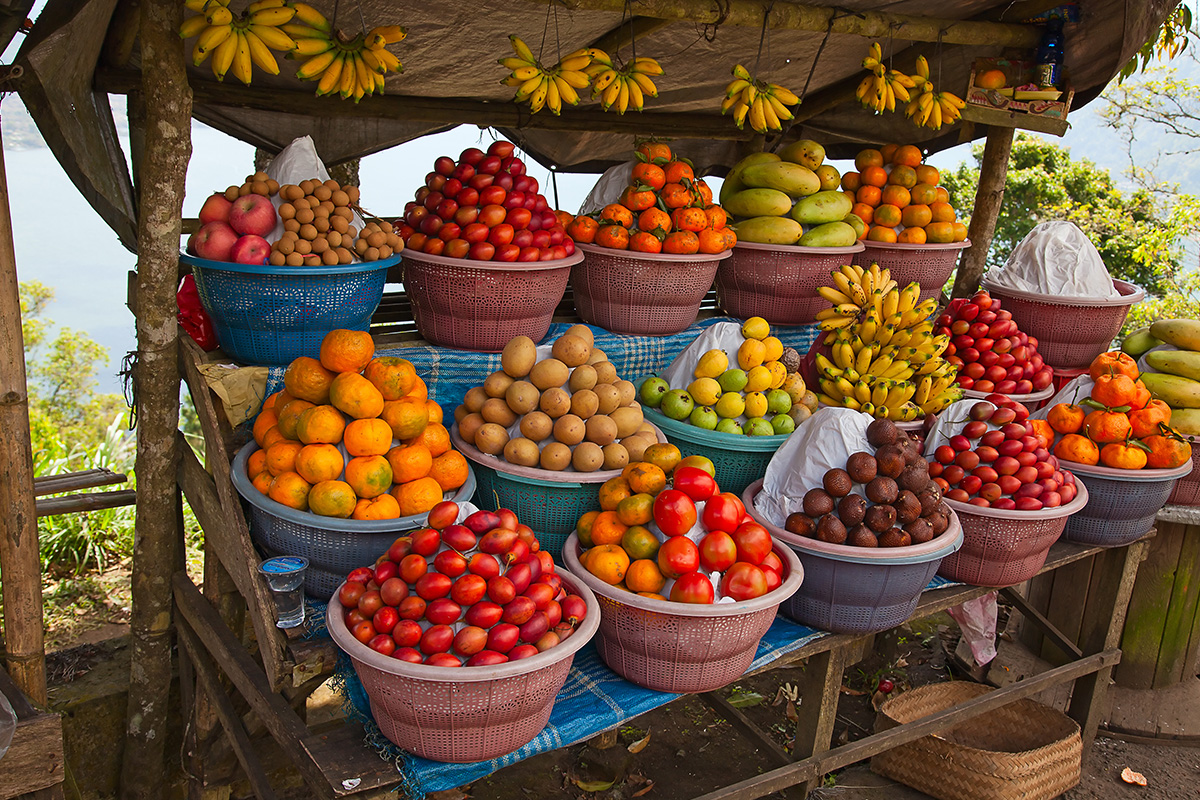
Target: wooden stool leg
pixel 820 689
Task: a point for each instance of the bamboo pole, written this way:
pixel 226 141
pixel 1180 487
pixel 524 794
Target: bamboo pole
pixel 157 536
pixel 818 19
pixel 988 198
pixel 19 563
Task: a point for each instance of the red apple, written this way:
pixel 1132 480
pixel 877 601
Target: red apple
pixel 252 214
pixel 215 209
pixel 250 249
pixel 213 241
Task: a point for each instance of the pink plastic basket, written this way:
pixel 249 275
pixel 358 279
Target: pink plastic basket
pixel 1002 548
pixel 464 714
pixel 679 647
pixel 777 282
pixel 1031 401
pixel 645 294
pixel 1071 331
pixel 929 265
pixel 1187 488
pixel 480 305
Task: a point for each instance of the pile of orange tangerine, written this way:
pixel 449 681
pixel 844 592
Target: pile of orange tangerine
pixel 899 199
pixel 354 436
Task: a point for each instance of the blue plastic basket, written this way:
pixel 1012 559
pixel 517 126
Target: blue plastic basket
pixel 273 315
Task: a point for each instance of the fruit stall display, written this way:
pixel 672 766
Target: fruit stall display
pixel 319 261
pixel 870 537
pixel 479 597
pixel 486 257
pixel 665 544
pixel 880 354
pixel 1011 494
pixel 899 199
pixel 350 446
pixel 650 257
pixel 992 354
pixel 546 427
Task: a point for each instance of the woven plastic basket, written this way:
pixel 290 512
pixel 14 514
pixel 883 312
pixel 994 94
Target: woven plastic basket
pixel 646 294
pixel 681 647
pixel 1031 401
pixel 1002 548
pixel 1122 503
pixel 273 315
pixel 1187 488
pixel 549 502
pixel 740 460
pixel 1021 751
pixel 481 305
pixel 1071 331
pixel 777 282
pixel 929 265
pixel 332 546
pixel 464 714
pixel 851 589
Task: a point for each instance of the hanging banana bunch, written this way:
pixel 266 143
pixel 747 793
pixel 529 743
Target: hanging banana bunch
pixel 548 88
pixel 765 104
pixel 352 68
pixel 883 87
pixel 625 87
pixel 238 44
pixel 929 108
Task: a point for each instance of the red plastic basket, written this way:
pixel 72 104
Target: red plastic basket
pixel 680 647
pixel 1002 548
pixel 464 714
pixel 481 305
pixel 928 264
pixel 777 282
pixel 1071 331
pixel 644 294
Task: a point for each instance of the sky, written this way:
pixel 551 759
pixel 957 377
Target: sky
pixel 90 280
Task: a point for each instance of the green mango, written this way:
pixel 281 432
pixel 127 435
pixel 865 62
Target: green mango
pixel 1173 390
pixel 822 207
pixel 855 221
pixel 758 203
pixel 804 151
pixel 831 234
pixel 733 181
pixel 1184 363
pixel 793 180
pixel 1139 342
pixel 1183 333
pixel 768 230
pixel 1186 421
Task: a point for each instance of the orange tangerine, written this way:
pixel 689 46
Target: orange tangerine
pixel 435 411
pixel 419 389
pixel 281 457
pixel 864 212
pixel 916 216
pixel 282 398
pixel 393 377
pixel 321 425
pixel 319 462
pixel 435 437
pixel 646 478
pixel 888 151
pixel 869 195
pixel 369 476
pixel 868 158
pixel 262 481
pixel 991 79
pixel 923 194
pixel 289 416
pixel 908 155
pixel 289 489
pixel 851 181
pixel 354 395
pixel 881 234
pixel 613 491
pixel 272 436
pixel 636 509
pixel 345 350
pixel 382 507
pixel 939 232
pixel 608 562
pixel 265 420
pixel 417 497
pixel 332 499
pixel 943 196
pixel 607 528
pixel 584 528
pixel 911 236
pixel 450 470
pixel 639 542
pixel 942 212
pixel 663 455
pixel 367 437
pixel 875 176
pixel 306 379
pixel 409 462
pixel 644 577
pixel 256 463
pixel 896 196
pixel 887 215
pixel 960 231
pixel 617 214
pixel 928 174
pixel 903 176
pixel 407 416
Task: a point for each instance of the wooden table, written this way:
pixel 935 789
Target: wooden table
pixel 32 769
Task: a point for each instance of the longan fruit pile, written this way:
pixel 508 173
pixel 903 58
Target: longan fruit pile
pixel 258 183
pixel 318 227
pixel 376 242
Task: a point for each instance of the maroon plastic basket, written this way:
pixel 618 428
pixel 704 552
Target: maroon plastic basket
pixel 1002 548
pixel 645 294
pixel 778 283
pixel 928 264
pixel 1187 488
pixel 1071 331
pixel 481 305
pixel 464 714
pixel 681 647
pixel 1123 502
pixel 851 589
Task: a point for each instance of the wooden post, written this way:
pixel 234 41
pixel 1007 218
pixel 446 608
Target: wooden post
pixel 988 198
pixel 26 651
pixel 168 104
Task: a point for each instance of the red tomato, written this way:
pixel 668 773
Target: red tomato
pixel 678 556
pixel 518 217
pixel 413 567
pixel 457 248
pixel 674 512
pixel 360 575
pixel 370 602
pixel 350 593
pixel 444 165
pixel 501 234
pixel 753 542
pixel 382 644
pixel 431 225
pixel 412 607
pixel 432 585
pixel 492 215
pixel 529 254
pixel 695 483
pixel 717 552
pixel 515 199
pixel 499 148
pixel 363 631
pixel 492 195
pixel 437 639
pixel 476 232
pixel 773 563
pixel 393 590
pixel 507 252
pixel 407 632
pixel 504 181
pixel 452 187
pixel 426 542
pixel 468 202
pixel 482 251
pixel 744 581
pixel 723 512
pixel 447 209
pixel 480 182
pixel 385 619
pixel 523 237
pixel 448 231
pixel 432 200
pixel 490 165
pixel 693 588
pixel 541 239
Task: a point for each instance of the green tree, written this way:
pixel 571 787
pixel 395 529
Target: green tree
pixel 1139 239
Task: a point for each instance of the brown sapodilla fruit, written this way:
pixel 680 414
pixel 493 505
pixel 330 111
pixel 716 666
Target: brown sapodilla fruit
pixel 890 460
pixel 830 529
pixel 882 432
pixel 851 509
pixel 882 490
pixel 862 467
pixel 837 482
pixel 800 524
pixel 880 518
pixel 908 507
pixel 817 503
pixel 862 536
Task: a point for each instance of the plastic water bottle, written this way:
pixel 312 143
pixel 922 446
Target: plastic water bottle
pixel 1050 55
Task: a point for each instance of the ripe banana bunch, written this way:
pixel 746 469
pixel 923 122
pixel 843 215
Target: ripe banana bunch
pixel 548 88
pixel 764 104
pixel 951 105
pixel 884 358
pixel 883 87
pixel 352 68
pixel 238 44
pixel 626 87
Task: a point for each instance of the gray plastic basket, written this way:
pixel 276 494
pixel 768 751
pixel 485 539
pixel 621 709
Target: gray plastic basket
pixel 1122 503
pixel 332 546
pixel 851 589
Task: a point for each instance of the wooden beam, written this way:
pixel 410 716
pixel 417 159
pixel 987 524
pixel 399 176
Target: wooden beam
pixel 19 562
pixel 988 198
pixel 70 481
pixel 445 111
pixel 818 19
pixel 157 535
pixel 1038 618
pixel 82 503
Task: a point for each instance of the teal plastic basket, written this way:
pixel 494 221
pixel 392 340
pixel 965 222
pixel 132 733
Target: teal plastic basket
pixel 550 505
pixel 740 460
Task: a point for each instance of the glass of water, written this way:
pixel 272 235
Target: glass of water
pixel 285 576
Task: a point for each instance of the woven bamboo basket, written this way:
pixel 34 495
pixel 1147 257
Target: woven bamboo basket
pixel 1021 751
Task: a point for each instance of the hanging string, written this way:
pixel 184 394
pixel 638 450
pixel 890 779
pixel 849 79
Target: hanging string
pixel 557 37
pixel 820 49
pixel 362 18
pixel 627 12
pixel 545 32
pixel 724 7
pixel 336 3
pixel 762 35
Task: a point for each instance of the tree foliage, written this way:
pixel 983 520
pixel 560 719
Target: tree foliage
pixel 1172 40
pixel 1138 240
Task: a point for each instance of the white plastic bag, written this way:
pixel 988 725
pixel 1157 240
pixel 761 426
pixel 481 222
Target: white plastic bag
pixel 725 336
pixel 977 621
pixel 608 188
pixel 822 443
pixel 1057 259
pixel 295 163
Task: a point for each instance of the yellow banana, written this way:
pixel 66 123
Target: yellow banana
pixel 603 80
pixel 273 16
pixel 736 86
pixel 199 5
pixel 647 66
pixel 783 94
pixel 758 121
pixel 311 17
pixel 575 63
pixel 636 101
pixel 391 33
pixel 192 26
pixel 331 77
pixel 242 65
pixel 275 38
pixel 305 48
pixel 260 54
pixel 223 56
pixel 531 85
pixel 566 91
pixel 538 98
pixel 741 72
pixel 623 96
pixel 219 15
pixel 212 37
pixel 780 111
pixel 316 65
pixel 833 295
pixel 521 49
pixel 364 79
pixel 348 76
pixel 371 59
pixel 577 79
pixel 389 61
pixel 298 30
pixel 644 83
pixel 553 99
pixel 259 5
pixel 525 73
